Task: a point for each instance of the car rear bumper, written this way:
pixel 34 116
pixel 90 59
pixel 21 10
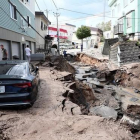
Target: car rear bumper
pixel 15 99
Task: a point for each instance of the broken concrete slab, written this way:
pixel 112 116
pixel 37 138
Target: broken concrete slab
pixel 131 121
pixel 65 76
pixel 76 110
pixel 104 111
pixel 72 85
pixel 68 108
pixel 133 110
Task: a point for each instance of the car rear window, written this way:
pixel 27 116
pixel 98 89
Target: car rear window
pixel 12 69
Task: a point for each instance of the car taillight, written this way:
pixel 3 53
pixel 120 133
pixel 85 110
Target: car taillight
pixel 23 85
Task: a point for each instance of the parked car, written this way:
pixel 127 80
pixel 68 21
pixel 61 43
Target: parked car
pixel 19 82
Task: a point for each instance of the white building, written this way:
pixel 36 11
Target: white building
pixel 91 41
pixel 62 34
pixel 41 24
pixel 125 17
pixel 70 30
pixel 108 34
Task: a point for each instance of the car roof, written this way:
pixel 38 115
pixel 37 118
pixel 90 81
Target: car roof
pixel 13 62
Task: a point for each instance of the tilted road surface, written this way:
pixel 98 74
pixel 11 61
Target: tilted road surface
pixel 46 121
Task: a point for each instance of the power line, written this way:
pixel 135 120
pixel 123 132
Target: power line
pixel 83 17
pixel 93 15
pixel 37 5
pixel 85 2
pixel 45 3
pixel 54 4
pixel 76 11
pixel 76 19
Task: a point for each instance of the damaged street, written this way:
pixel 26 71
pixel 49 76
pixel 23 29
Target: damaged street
pixel 76 101
pixel 70 70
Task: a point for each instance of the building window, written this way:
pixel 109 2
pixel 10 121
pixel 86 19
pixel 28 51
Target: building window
pixel 41 25
pixel 28 21
pixel 129 20
pixel 13 12
pixel 45 27
pixel 125 2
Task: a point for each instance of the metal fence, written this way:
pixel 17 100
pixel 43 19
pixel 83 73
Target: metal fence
pixel 118 29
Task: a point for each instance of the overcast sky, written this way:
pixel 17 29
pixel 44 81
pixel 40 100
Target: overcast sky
pixel 95 7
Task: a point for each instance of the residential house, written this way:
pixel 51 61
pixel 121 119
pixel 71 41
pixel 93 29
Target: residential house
pixel 91 41
pixel 62 35
pixel 125 17
pixel 70 30
pixel 107 34
pixel 41 24
pixel 15 32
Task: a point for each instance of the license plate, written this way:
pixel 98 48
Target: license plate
pixel 2 89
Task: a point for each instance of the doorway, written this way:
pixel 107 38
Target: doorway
pixel 23 51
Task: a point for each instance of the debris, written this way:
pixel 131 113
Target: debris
pixel 134 99
pixel 104 111
pixel 133 122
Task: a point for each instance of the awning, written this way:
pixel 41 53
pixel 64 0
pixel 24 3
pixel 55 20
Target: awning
pixel 55 29
pixel 61 37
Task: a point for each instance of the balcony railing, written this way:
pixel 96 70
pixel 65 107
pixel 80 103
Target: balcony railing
pixel 118 29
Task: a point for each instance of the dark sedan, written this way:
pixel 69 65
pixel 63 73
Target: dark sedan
pixel 19 83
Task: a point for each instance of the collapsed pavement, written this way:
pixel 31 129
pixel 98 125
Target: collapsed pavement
pixel 97 90
pixel 76 101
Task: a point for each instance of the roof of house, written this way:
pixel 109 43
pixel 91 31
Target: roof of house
pixel 95 29
pixel 70 24
pixel 43 15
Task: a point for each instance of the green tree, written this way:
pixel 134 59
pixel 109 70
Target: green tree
pixel 104 26
pixel 83 32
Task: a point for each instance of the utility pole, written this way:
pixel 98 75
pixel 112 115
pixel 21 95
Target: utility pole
pixel 57 15
pixel 104 12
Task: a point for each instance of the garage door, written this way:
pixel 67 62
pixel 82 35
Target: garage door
pixel 33 48
pixel 6 45
pixel 15 49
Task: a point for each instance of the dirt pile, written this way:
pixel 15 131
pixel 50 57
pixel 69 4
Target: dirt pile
pixel 86 59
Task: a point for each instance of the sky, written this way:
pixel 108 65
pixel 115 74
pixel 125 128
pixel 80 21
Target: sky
pixel 90 7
